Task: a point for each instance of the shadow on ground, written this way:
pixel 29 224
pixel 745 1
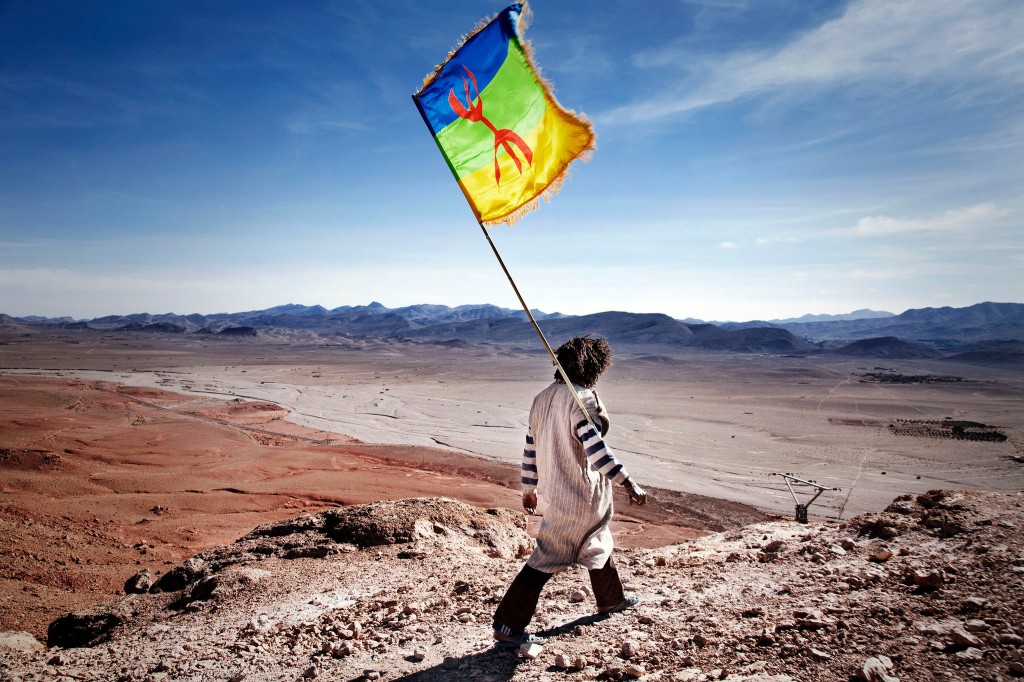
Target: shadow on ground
pixel 496 665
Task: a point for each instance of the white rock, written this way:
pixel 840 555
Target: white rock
pixel 971 654
pixel 633 670
pixel 877 670
pixel 531 650
pixel 881 555
pixel 974 604
pixel 19 640
pixel 938 628
pixel 977 626
pixel 962 637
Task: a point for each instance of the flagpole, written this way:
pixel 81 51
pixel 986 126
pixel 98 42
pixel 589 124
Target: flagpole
pixel 508 275
pixel 536 327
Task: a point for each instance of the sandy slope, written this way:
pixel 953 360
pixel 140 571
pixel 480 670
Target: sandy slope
pixel 95 484
pixel 929 590
pixel 717 425
pixel 100 480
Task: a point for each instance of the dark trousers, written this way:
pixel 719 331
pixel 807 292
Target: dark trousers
pixel 520 601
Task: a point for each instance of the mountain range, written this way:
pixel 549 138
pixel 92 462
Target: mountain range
pixel 989 333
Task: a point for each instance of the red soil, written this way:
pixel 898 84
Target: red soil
pixel 98 481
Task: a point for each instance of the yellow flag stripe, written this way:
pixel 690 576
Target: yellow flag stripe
pixel 556 140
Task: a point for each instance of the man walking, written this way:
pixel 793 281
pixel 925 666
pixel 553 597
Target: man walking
pixel 568 463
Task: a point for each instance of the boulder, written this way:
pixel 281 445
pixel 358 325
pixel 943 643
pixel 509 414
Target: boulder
pixel 500 531
pixel 961 637
pixel 88 627
pixel 140 583
pixel 877 669
pixel 190 571
pixel 19 640
pixel 927 579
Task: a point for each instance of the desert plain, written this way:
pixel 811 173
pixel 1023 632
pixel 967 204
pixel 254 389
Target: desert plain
pixel 120 451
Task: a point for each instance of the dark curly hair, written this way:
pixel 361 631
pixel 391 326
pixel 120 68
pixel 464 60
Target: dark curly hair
pixel 584 359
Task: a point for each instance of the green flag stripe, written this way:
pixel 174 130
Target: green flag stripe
pixel 513 99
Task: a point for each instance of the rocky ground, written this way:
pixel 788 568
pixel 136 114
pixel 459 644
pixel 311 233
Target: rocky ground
pixel 99 480
pixel 930 589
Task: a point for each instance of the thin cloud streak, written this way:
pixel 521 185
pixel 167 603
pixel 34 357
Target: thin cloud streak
pixel 970 219
pixel 952 43
pixel 966 220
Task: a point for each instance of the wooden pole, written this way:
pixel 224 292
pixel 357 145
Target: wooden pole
pixel 526 309
pixel 536 327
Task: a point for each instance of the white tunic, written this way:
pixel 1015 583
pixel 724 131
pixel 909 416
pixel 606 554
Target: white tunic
pixel 568 463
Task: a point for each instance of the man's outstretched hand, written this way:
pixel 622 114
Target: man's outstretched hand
pixel 530 503
pixel 637 495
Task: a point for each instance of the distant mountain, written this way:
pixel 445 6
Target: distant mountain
pixel 13 325
pixel 751 324
pixel 372 320
pixel 52 320
pixel 634 329
pixel 751 340
pixel 945 327
pixel 995 354
pixel 986 333
pixel 630 331
pixel 296 309
pixel 237 331
pixel 862 314
pixel 441 314
pixel 888 347
pixel 155 328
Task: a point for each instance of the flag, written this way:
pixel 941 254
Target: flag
pixel 506 139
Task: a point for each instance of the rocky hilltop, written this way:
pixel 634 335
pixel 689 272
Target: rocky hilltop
pixel 929 589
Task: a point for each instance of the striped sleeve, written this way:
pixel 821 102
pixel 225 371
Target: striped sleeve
pixel 599 454
pixel 529 473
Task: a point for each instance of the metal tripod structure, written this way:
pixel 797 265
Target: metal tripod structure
pixel 801 508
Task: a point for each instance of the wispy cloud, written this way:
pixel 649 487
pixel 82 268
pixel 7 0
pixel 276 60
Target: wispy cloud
pixel 967 220
pixel 971 218
pixel 954 43
pixel 39 100
pixel 304 126
pixel 789 239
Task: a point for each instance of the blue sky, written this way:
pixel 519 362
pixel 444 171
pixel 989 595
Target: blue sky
pixel 756 159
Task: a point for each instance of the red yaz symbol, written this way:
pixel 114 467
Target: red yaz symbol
pixel 504 138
